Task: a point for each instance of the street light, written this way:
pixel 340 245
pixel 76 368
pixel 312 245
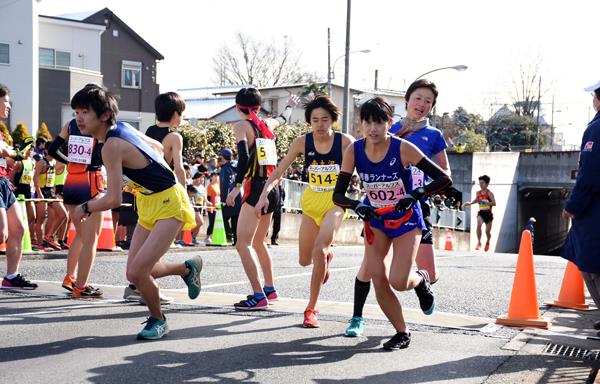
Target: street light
pixel 331 74
pixel 455 67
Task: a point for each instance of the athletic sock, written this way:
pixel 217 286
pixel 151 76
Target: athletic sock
pixel 268 289
pixel 11 276
pixel 361 291
pixel 259 295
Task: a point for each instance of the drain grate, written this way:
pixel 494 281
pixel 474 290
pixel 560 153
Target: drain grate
pixel 569 351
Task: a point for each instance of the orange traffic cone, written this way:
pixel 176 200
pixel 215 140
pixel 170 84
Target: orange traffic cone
pixel 187 237
pixel 449 246
pixel 523 308
pixel 571 291
pixel 106 241
pixel 70 234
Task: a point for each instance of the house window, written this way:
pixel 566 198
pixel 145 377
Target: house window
pixel 131 74
pixel 46 57
pixel 63 59
pixel 49 57
pixel 4 54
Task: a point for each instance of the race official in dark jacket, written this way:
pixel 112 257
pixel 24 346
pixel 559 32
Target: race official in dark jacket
pixel 230 214
pixel 582 245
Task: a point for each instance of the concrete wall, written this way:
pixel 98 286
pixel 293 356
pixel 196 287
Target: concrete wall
pixel 502 168
pixel 19 29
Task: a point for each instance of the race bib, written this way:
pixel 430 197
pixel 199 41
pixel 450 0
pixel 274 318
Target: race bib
pixel 383 194
pixel 50 176
pixel 418 178
pixel 323 177
pixel 80 149
pixel 266 152
pixel 27 176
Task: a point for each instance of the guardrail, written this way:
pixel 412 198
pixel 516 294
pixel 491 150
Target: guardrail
pixel 447 218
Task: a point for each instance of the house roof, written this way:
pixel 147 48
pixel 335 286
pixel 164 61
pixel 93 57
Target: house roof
pixel 206 107
pixel 101 15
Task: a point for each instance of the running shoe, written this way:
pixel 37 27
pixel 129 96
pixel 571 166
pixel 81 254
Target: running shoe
pixel 400 340
pixel 41 248
pixel 487 247
pixel 252 304
pixel 192 280
pixel 329 257
pixel 19 282
pixel 87 291
pixel 356 327
pixel 63 244
pixel 131 294
pixel 310 319
pixel 50 243
pixel 271 295
pixel 68 283
pixel 424 293
pixel 154 329
pixel 478 247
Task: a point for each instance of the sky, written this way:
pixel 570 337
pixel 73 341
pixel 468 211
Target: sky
pixel 405 38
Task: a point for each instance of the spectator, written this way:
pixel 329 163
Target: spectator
pixel 230 213
pixel 213 194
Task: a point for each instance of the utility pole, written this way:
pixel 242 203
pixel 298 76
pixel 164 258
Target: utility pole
pixel 346 112
pixel 552 126
pixel 376 77
pixel 537 144
pixel 329 90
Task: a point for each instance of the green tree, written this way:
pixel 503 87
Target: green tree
pixel 470 141
pixel 20 133
pixel 207 137
pixel 44 132
pixel 286 134
pixel 516 130
pixel 7 137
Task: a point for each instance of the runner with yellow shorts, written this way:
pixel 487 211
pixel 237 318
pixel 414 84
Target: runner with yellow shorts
pixel 162 203
pixel 322 149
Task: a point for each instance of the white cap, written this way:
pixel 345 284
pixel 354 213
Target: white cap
pixel 592 87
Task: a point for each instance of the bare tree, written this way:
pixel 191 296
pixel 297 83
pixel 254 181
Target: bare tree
pixel 260 63
pixel 527 89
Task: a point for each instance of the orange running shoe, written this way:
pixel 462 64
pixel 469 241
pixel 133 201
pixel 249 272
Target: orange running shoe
pixel 68 283
pixel 487 247
pixel 87 291
pixel 310 319
pixel 478 247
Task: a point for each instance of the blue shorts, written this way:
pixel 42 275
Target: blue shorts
pixel 415 221
pixel 7 197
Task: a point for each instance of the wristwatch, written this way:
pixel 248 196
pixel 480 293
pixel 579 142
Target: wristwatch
pixel 85 208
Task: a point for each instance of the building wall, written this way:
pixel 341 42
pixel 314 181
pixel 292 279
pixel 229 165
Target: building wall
pixel 19 29
pixel 82 40
pixel 121 47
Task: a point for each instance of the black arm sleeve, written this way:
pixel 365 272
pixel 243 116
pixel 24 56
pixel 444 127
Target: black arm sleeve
pixel 242 166
pixel 54 150
pixel 339 193
pixel 440 179
pixel 285 115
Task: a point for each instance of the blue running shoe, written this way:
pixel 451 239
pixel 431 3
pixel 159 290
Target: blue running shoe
pixel 424 293
pixel 192 280
pixel 154 329
pixel 356 327
pixel 252 303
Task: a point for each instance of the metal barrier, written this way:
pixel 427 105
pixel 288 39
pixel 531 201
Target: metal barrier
pixel 449 218
pixel 293 194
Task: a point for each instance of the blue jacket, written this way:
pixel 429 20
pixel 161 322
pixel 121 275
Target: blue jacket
pixel 228 173
pixel 582 245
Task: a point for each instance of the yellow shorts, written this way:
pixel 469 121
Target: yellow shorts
pixel 170 203
pixel 316 204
